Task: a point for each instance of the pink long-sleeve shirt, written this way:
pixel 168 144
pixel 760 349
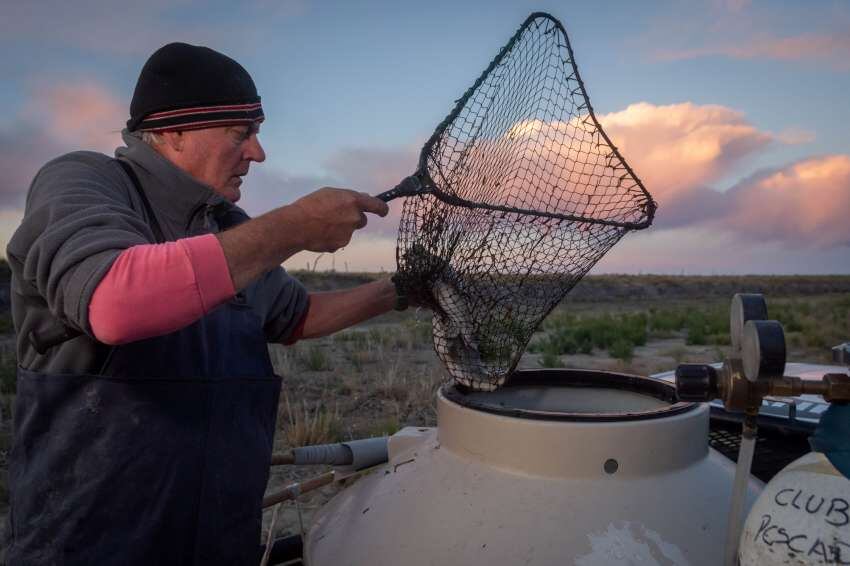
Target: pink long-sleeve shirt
pixel 154 289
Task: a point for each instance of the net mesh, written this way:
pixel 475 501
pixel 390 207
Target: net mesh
pixel 524 194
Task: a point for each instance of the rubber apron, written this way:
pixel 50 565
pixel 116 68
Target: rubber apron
pixel 161 458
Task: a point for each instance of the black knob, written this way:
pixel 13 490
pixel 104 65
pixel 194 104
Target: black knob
pixel 696 382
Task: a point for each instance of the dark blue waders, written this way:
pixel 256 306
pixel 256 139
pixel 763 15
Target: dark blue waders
pixel 162 458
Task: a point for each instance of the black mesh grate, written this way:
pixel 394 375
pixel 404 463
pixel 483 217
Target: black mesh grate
pixel 774 449
pixel 522 193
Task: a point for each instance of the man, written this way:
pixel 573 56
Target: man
pixel 143 300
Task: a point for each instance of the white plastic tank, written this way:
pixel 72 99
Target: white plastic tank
pixel 802 517
pixel 556 467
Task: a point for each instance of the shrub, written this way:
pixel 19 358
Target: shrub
pixel 666 321
pixel 315 359
pixel 550 360
pixel 622 350
pixel 697 336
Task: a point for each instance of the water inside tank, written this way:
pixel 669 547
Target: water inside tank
pixel 575 400
pixel 574 394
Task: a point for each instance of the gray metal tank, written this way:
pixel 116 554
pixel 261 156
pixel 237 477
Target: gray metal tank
pixel 557 467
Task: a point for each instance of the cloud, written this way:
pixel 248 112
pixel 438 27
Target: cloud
pixel 795 136
pixel 23 150
pixel 676 150
pixel 804 204
pixel 681 151
pixel 373 171
pixel 82 114
pixel 677 147
pixel 833 49
pixel 57 119
pixel 138 28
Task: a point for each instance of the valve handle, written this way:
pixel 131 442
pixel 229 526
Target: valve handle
pixel 696 382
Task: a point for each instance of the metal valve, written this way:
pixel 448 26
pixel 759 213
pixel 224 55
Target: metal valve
pixel 696 382
pixel 841 354
pixel 763 349
pixel 745 307
pixel 755 369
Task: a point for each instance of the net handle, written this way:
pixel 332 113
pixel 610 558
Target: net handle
pixel 408 187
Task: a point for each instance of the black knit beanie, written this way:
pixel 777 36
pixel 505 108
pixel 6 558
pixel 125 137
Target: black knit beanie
pixel 185 87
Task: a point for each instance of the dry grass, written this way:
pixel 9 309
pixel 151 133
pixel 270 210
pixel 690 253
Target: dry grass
pixel 306 426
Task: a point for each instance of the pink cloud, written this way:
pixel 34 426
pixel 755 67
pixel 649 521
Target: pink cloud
pixel 675 148
pixel 81 114
pixel 829 48
pixel 679 151
pixel 795 136
pixel 23 150
pixel 804 204
pixel 57 119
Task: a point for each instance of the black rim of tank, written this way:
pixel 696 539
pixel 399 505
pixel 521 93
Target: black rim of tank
pixel 574 378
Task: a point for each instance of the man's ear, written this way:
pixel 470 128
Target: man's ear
pixel 174 140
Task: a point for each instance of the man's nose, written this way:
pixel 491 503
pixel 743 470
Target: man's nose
pixel 254 151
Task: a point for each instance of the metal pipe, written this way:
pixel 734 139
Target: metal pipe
pixel 739 488
pixel 295 489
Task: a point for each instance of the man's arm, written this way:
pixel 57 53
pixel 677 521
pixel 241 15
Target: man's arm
pixel 334 310
pixel 322 221
pixel 181 281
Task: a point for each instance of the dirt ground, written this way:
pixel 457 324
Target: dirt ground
pixel 382 375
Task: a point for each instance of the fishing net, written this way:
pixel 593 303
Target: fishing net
pixel 518 193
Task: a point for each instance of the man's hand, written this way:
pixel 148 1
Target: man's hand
pixel 329 217
pixel 323 221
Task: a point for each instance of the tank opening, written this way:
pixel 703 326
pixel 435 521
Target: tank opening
pixel 574 395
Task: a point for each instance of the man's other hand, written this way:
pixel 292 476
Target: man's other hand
pixel 328 217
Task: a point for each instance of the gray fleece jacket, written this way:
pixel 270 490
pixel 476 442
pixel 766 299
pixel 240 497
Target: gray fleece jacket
pixel 81 212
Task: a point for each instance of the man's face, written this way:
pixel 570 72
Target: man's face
pixel 220 157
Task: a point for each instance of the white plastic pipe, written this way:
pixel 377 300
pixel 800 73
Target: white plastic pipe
pixel 739 489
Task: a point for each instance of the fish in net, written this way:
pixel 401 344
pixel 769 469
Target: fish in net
pixel 518 193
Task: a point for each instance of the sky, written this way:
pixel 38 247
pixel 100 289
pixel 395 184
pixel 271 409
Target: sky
pixel 733 113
